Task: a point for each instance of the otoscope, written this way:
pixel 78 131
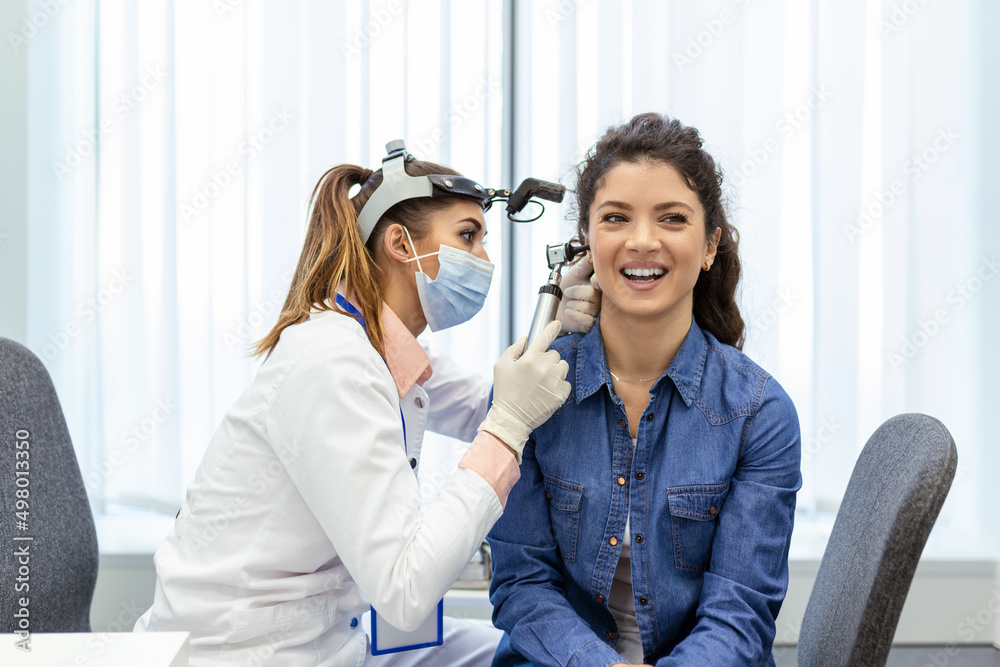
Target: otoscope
pixel 550 294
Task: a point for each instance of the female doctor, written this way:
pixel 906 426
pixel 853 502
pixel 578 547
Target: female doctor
pixel 304 509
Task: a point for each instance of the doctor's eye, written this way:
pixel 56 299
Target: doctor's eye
pixel 613 217
pixel 468 235
pixel 677 218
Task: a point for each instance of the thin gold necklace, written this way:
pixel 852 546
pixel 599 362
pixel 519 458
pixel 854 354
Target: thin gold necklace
pixel 621 380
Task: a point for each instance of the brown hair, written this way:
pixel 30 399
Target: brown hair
pixel 656 138
pixel 334 253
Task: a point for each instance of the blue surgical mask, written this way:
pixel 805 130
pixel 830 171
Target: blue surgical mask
pixel 458 292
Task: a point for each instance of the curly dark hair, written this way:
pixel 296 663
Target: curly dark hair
pixel 651 137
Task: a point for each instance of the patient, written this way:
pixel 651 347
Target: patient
pixel 653 516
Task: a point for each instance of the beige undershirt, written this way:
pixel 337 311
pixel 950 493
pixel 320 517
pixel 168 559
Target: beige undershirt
pixel 621 601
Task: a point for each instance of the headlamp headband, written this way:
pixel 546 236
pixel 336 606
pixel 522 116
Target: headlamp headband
pixel 397 186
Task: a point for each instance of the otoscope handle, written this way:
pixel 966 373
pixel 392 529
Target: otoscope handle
pixel 549 296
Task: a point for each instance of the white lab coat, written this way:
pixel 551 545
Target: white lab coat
pixel 304 508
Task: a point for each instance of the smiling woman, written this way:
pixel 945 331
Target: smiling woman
pixel 634 537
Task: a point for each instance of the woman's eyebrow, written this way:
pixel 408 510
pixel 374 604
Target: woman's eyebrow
pixel 672 204
pixel 659 207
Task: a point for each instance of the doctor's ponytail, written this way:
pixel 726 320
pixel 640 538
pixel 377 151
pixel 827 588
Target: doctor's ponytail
pixel 333 253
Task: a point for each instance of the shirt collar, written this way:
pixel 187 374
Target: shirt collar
pixel 406 360
pixel 685 370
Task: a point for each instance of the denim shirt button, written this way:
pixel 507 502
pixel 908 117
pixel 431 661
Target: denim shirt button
pixel 613 541
pixel 649 417
pixel 611 634
pixel 638 538
pixel 621 481
pixel 622 422
pixel 643 600
pixel 640 475
pixel 600 598
pixel 713 511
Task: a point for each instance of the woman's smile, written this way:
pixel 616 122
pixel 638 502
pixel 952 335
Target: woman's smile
pixel 644 275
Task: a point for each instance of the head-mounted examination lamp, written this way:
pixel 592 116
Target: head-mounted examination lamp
pixel 397 186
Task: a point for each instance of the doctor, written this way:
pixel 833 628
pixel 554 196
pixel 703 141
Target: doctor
pixel 305 508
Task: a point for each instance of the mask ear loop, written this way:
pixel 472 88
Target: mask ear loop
pixel 415 256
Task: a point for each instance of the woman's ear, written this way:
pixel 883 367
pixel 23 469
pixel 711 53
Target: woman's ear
pixel 713 247
pixel 396 244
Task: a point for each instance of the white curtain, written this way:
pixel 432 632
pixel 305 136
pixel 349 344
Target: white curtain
pixel 847 133
pixel 175 144
pixel 174 147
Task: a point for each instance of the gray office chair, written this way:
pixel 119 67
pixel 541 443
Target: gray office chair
pixel 61 564
pixel 892 500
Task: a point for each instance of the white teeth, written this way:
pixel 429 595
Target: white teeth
pixel 643 273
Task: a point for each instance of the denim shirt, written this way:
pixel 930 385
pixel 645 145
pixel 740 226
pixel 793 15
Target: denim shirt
pixel 710 496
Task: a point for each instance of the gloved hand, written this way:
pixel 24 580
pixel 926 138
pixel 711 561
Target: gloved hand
pixel 527 388
pixel 581 300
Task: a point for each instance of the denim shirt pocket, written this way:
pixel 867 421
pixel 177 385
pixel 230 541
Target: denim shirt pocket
pixel 564 499
pixel 693 514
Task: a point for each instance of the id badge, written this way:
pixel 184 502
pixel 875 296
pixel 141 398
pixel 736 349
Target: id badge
pixel 388 639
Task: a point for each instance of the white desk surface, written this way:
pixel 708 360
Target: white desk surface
pixel 97 649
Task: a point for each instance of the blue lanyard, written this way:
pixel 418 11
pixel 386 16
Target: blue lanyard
pixel 349 307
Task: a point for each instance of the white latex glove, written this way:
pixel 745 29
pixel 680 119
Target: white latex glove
pixel 581 300
pixel 527 388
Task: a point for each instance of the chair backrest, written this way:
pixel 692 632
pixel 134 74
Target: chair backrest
pixel 38 466
pixel 892 500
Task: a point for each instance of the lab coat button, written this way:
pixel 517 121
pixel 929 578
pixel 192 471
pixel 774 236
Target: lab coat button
pixel 419 402
pixel 354 622
pixel 413 463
